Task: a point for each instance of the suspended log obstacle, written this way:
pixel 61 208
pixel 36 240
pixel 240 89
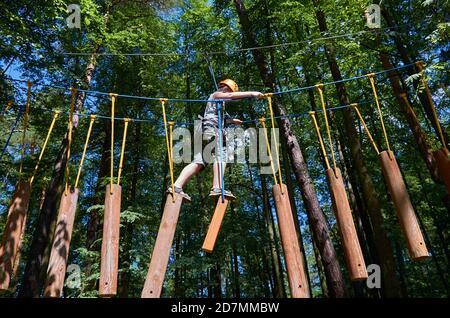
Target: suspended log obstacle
pixel 215 225
pixel 298 282
pixel 353 254
pixel 352 248
pixel 61 243
pixel 109 266
pixel 15 223
pixel 14 230
pixel 443 163
pixel 161 251
pixel 59 253
pixel 396 186
pixel 403 206
pixel 442 155
pixel 17 213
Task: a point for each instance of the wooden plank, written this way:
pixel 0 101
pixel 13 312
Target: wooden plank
pixel 402 203
pixel 443 163
pixel 352 249
pixel 13 233
pixel 298 283
pixel 161 251
pixel 109 266
pixel 61 243
pixel 215 225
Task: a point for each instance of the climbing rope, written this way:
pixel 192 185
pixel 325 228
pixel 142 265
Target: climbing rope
pixel 55 116
pixel 266 137
pixel 91 123
pixel 171 124
pixel 25 127
pixel 355 107
pixel 272 118
pixel 169 153
pixel 419 65
pixel 113 102
pixel 380 114
pixel 122 152
pixel 69 137
pixel 327 126
pixel 220 106
pixel 94 92
pixel 8 106
pixel 319 136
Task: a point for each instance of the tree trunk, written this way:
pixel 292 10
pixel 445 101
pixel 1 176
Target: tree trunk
pixel 321 235
pixel 382 242
pixel 33 281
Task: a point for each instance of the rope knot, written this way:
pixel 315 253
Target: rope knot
pixel 319 86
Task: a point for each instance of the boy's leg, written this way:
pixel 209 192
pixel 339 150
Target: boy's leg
pixel 187 173
pixel 216 173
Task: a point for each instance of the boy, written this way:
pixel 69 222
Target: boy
pixel 228 90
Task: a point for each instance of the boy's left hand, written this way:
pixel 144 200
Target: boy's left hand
pixel 236 121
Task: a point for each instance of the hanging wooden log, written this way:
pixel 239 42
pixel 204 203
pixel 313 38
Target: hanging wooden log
pixel 161 251
pixel 61 243
pixel 405 211
pixel 215 225
pixel 14 230
pixel 109 266
pixel 443 163
pixel 353 254
pixel 298 283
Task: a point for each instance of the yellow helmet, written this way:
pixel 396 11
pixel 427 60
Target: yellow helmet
pixel 231 84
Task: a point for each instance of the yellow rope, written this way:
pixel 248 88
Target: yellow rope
pixel 55 116
pixel 322 102
pixel 169 156
pixel 69 137
pixel 122 152
pixel 171 124
pixel 263 123
pixel 355 107
pixel 269 100
pixel 319 136
pixel 419 65
pixel 8 106
pixel 380 114
pixel 113 102
pixel 91 123
pixel 25 127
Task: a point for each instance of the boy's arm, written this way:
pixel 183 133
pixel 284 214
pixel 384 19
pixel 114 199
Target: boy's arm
pixel 237 95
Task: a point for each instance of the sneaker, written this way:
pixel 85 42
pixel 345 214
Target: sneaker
pixel 179 191
pixel 215 192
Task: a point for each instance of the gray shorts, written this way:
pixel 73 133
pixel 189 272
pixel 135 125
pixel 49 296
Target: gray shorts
pixel 204 158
